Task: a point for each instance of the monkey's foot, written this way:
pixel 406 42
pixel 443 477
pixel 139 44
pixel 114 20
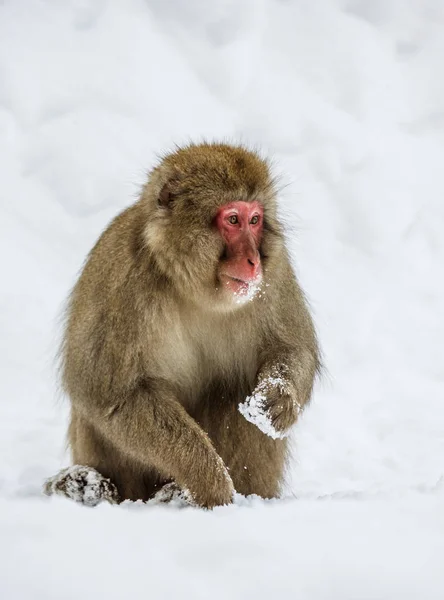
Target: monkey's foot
pixel 172 493
pixel 82 484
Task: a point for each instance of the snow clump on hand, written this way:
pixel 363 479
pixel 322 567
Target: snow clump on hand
pixel 256 407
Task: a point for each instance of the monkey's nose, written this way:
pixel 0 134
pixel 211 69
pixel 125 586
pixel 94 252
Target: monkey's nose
pixel 254 263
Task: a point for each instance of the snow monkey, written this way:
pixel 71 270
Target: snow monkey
pixel 188 350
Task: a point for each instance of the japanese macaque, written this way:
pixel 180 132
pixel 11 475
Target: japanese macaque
pixel 188 350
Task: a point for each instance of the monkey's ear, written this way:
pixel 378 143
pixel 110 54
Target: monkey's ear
pixel 171 189
pixel 166 196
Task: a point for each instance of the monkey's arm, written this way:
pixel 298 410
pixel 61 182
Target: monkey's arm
pixel 150 426
pixel 289 364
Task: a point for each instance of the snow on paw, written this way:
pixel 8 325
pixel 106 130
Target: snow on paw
pixel 82 484
pixel 271 406
pixel 171 493
pixel 254 409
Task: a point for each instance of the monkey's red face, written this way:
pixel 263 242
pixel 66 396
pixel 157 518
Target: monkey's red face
pixel 241 224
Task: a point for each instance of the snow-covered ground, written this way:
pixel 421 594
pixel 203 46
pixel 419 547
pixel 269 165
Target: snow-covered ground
pixel 348 97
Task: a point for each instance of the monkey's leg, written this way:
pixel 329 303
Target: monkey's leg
pixel 134 480
pixel 255 461
pixel 153 430
pixel 82 484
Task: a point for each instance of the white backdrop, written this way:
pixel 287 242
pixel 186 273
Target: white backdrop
pixel 347 96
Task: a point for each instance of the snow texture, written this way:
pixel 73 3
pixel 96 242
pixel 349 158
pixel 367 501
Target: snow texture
pixel 248 296
pixel 347 98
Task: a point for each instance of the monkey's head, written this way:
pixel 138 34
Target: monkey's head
pixel 211 223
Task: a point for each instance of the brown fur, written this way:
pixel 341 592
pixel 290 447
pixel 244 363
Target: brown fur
pixel 155 361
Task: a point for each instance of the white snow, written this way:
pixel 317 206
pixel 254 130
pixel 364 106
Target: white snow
pixel 347 97
pixel 248 296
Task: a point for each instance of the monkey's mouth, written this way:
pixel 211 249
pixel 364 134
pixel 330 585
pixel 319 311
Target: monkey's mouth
pixel 239 287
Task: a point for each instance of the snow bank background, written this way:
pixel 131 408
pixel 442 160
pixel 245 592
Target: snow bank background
pixel 348 97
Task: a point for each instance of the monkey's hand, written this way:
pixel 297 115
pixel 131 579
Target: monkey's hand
pixel 171 493
pixel 273 406
pixel 215 488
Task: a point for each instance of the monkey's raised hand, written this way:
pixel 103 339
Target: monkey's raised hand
pixel 274 405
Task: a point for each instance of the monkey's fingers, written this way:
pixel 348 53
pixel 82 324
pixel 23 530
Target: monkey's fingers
pixel 82 484
pixel 283 412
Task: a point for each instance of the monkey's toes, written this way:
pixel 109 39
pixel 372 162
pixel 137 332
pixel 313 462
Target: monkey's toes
pixel 82 484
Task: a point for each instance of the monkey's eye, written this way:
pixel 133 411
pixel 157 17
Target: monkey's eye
pixel 254 220
pixel 233 219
